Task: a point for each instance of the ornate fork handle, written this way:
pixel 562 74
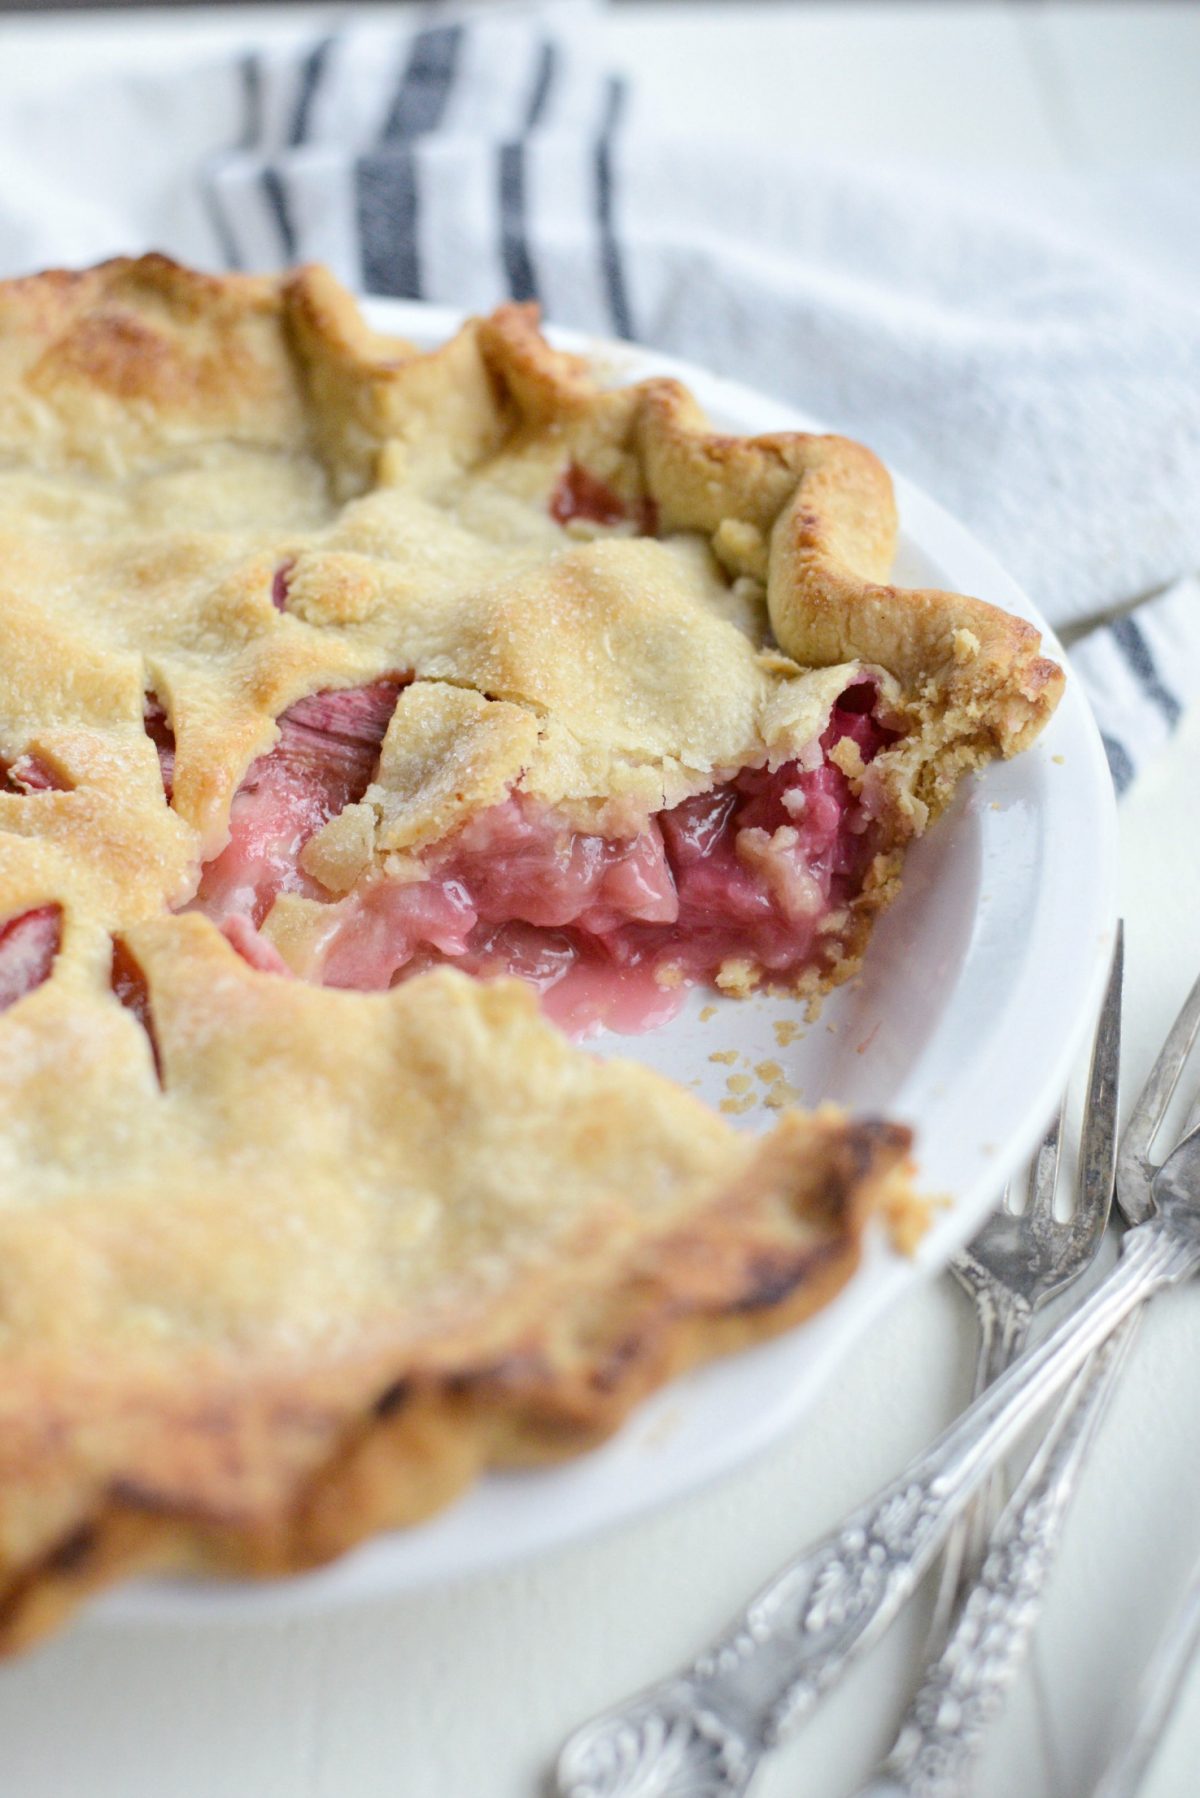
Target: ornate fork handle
pixel 963 1689
pixel 701 1733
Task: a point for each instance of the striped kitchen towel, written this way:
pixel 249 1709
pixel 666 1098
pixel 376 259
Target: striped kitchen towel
pixel 1028 363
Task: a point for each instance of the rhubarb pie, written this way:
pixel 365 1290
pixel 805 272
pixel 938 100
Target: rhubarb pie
pixel 371 722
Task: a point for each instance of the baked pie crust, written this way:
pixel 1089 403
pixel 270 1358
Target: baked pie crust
pixel 323 656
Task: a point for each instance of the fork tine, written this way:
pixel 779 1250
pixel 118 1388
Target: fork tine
pixel 1133 1161
pixel 1098 1138
pixel 1192 1121
pixel 1044 1176
pixel 1015 1264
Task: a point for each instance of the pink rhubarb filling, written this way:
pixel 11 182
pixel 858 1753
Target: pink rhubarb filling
pixel 30 774
pixel 578 494
pixel 327 752
pixel 612 931
pixel 28 944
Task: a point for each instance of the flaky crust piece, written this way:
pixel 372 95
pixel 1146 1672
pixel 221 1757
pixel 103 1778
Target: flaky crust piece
pixel 299 1263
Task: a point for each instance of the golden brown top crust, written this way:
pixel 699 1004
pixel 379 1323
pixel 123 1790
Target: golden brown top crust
pixel 316 1203
pixel 391 1130
pixel 174 440
pixel 123 363
pixel 337 1207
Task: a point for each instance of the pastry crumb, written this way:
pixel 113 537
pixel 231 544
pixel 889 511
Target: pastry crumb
pixel 786 1031
pixel 782 1094
pixel 906 1218
pixel 768 1071
pixel 738 977
pixel 739 1083
pixel 728 1056
pixel 847 756
pixel 1060 759
pixel 706 1012
pixel 735 1107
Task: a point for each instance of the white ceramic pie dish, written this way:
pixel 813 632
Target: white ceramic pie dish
pixel 980 984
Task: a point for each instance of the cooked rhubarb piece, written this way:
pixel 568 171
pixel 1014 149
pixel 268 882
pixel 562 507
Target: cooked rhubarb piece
pixel 28 944
pixel 327 750
pixel 128 980
pixel 579 494
pixel 279 585
pixel 158 728
pixel 252 947
pixel 30 774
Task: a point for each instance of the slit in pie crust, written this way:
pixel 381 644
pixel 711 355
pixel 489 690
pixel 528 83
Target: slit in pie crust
pixel 338 681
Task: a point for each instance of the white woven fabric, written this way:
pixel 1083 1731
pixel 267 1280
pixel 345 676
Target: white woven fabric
pixel 1032 359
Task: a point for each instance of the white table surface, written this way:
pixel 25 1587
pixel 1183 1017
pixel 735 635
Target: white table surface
pixel 465 1693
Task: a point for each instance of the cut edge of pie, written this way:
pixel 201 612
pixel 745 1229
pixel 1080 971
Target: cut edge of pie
pixel 811 520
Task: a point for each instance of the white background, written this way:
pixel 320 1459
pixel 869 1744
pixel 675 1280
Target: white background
pixel 466 1693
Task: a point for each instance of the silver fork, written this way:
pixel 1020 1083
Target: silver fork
pixel 1019 1261
pixel 964 1688
pixel 702 1732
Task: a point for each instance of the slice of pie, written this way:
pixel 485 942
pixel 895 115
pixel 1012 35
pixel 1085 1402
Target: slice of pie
pixel 402 672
